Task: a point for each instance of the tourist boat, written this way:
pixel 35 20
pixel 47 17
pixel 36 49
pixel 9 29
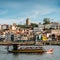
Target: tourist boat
pixel 27 49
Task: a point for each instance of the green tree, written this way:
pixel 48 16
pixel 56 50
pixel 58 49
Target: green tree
pixel 33 25
pixel 46 21
pixel 23 26
pixel 30 26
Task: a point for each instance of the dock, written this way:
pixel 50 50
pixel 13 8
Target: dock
pixel 32 43
pixel 18 43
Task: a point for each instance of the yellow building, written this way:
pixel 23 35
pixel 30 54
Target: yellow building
pixel 44 38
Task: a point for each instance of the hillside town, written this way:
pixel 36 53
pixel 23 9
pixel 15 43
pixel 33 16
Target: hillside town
pixel 39 32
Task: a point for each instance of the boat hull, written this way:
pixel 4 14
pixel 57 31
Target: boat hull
pixel 28 51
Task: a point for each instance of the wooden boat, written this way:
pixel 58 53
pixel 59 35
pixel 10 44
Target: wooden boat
pixel 28 49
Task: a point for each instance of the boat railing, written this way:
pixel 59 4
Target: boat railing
pixel 30 47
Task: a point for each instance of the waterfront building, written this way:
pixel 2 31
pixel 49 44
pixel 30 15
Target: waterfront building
pixel 53 25
pixel 41 26
pixel 44 37
pixel 37 30
pixel 5 27
pixel 13 28
pixel 56 32
pixel 0 27
pixel 48 26
pixel 7 36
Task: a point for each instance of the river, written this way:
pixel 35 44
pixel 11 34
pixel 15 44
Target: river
pixel 4 55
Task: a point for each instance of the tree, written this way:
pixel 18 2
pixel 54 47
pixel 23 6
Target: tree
pixel 30 26
pixel 23 26
pixel 33 25
pixel 46 21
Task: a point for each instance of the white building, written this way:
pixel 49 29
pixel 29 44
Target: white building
pixel 5 26
pixel 48 26
pixel 13 28
pixel 37 30
pixel 54 25
pixel 0 27
pixel 7 36
pixel 41 26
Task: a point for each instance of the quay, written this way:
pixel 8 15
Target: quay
pixel 32 43
pixel 18 43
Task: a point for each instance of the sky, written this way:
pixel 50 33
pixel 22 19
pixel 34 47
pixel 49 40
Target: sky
pixel 17 11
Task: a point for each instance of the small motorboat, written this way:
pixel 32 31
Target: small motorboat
pixel 49 51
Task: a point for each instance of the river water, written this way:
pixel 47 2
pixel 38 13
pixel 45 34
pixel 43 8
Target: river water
pixel 4 55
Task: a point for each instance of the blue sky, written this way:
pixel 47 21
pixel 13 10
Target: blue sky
pixel 16 11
